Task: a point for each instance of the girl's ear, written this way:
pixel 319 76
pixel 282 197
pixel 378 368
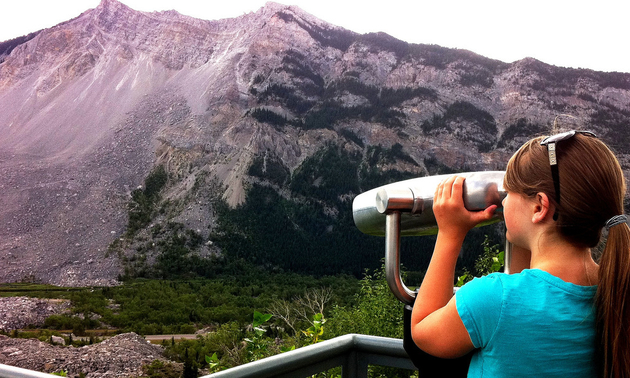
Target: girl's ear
pixel 542 208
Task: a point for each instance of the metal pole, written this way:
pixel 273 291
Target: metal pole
pixel 392 259
pixel 507 258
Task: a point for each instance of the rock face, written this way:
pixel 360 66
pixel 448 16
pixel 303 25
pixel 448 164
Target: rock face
pixel 118 357
pixel 90 106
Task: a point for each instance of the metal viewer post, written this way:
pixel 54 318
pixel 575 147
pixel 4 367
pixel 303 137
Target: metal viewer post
pixel 405 209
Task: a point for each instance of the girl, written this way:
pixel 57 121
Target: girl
pixel 561 314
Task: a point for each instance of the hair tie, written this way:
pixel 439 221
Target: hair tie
pixel 617 219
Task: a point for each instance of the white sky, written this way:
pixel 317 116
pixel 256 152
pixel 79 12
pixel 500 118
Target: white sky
pixel 580 34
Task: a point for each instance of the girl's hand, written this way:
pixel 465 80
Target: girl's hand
pixel 452 217
pixel 435 323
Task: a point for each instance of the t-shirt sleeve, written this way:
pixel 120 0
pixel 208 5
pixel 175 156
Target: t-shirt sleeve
pixel 479 306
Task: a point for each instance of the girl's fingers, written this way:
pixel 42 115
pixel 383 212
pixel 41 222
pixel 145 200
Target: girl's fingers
pixel 449 209
pixel 439 190
pixel 445 188
pixel 457 190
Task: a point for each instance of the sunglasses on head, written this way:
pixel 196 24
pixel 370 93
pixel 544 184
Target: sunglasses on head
pixel 551 142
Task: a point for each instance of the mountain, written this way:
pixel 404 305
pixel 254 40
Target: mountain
pixel 132 142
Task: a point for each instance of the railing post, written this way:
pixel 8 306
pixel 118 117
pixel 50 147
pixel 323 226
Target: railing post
pixel 362 365
pixel 349 368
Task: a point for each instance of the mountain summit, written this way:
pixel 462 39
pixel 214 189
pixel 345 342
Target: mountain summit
pixel 93 106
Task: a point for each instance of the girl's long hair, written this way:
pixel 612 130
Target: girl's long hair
pixel 592 190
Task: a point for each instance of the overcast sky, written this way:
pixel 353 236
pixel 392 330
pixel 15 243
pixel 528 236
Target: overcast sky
pixel 579 34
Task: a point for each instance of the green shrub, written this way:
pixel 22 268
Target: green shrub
pixel 161 369
pixel 362 317
pixel 62 322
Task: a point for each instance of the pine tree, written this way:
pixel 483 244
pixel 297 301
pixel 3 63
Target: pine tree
pixel 190 367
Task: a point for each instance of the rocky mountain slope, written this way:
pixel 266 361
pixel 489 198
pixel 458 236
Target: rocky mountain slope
pixel 90 107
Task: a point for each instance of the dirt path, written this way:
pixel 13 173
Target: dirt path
pixel 153 338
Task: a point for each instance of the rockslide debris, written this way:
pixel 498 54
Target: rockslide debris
pixel 118 357
pixel 21 312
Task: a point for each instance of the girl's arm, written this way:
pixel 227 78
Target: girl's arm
pixel 436 326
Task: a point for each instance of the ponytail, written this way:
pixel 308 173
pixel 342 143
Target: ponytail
pixel 593 190
pixel 613 304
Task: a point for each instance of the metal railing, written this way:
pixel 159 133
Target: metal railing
pixel 353 353
pixel 7 371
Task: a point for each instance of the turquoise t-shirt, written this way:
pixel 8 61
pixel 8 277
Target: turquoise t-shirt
pixel 530 324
